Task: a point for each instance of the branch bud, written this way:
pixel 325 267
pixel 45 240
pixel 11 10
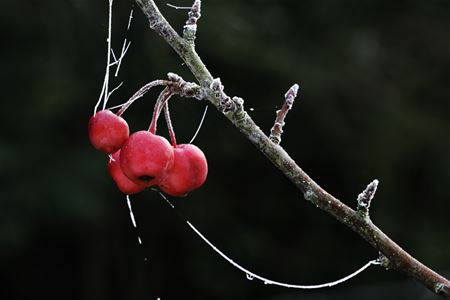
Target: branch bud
pixel 365 198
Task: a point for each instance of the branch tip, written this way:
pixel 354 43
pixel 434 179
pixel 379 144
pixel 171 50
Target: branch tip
pixel 291 94
pixel 277 129
pixel 190 29
pixel 366 196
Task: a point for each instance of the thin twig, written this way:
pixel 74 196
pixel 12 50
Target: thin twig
pixel 277 129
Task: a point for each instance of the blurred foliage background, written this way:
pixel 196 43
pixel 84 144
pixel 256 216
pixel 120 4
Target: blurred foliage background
pixel 374 103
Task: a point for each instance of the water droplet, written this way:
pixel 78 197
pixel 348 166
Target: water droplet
pixel 251 109
pixel 250 276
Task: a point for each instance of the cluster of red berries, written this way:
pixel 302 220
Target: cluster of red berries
pixel 144 159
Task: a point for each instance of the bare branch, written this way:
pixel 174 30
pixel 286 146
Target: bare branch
pixel 398 258
pixel 277 129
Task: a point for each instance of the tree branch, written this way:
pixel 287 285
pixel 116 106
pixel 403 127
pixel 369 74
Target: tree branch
pixel 395 257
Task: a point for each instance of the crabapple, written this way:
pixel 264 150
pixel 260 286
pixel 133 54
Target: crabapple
pixel 188 172
pixel 107 131
pixel 145 157
pixel 124 184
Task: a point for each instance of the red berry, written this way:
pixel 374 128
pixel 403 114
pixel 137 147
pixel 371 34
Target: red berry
pixel 124 184
pixel 188 172
pixel 107 131
pixel 145 157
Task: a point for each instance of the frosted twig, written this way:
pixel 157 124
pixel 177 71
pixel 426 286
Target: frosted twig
pixel 195 13
pixel 190 29
pixel 277 129
pixel 366 196
pixel 141 92
pixel 199 125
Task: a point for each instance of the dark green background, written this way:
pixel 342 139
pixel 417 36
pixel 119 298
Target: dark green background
pixel 374 90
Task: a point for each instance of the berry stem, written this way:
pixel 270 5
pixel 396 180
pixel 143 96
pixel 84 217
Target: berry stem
pixel 169 124
pixel 163 97
pixel 152 128
pixel 141 92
